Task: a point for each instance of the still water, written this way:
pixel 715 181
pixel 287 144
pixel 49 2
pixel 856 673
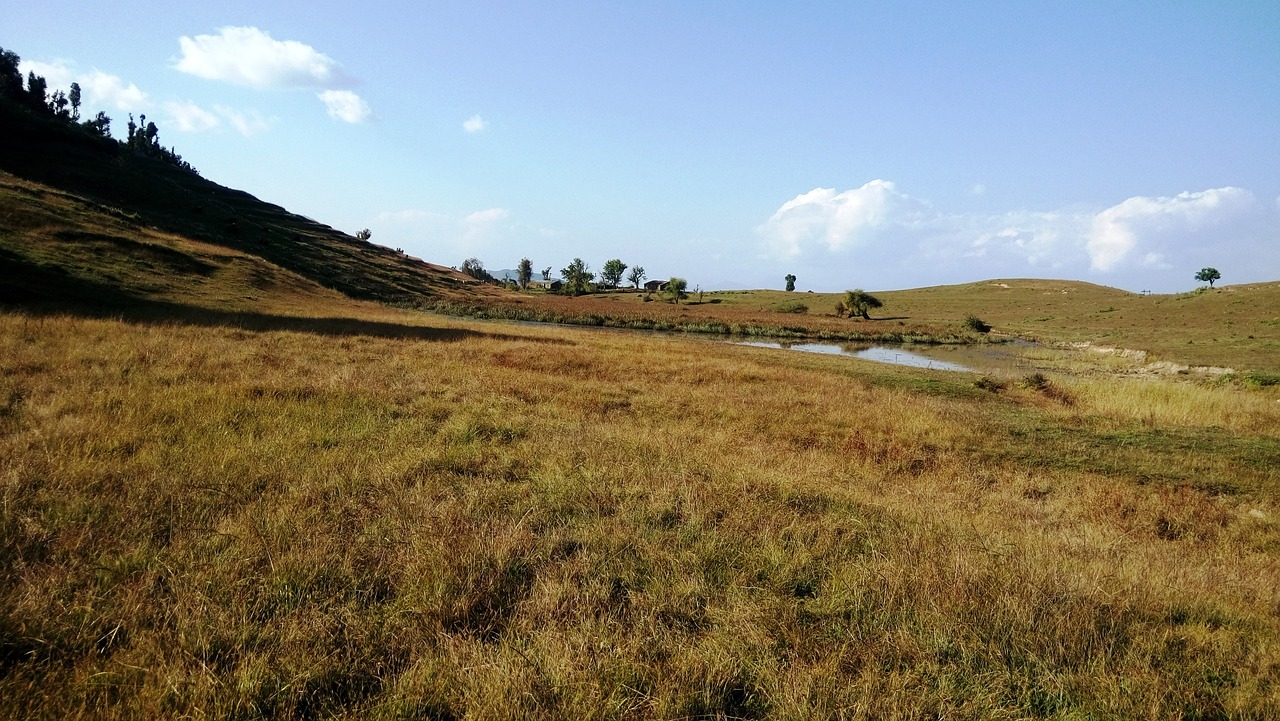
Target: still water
pixel 878 353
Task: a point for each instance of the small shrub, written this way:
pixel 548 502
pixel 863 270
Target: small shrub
pixel 1041 384
pixel 977 325
pixel 791 306
pixel 989 384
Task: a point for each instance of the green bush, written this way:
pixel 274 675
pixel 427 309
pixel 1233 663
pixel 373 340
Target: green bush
pixel 791 306
pixel 977 325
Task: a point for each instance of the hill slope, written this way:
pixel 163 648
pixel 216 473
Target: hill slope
pixel 85 219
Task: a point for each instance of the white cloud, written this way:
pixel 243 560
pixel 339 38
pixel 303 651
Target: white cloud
pixel 346 106
pixel 247 123
pixel 1118 230
pixel 834 220
pixel 110 90
pixel 188 117
pixel 483 218
pixel 251 57
pixel 877 236
pixel 474 124
pixel 58 74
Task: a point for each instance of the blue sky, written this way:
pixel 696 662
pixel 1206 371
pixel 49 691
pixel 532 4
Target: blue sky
pixel 875 145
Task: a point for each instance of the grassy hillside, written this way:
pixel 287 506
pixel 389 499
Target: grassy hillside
pixel 83 218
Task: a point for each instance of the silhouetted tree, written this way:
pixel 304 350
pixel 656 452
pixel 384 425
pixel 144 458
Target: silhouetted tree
pixel 1208 275
pixel 612 272
pixel 524 272
pixel 546 273
pixel 636 276
pixel 10 75
pixel 100 124
pixel 74 98
pixel 58 103
pixel 365 234
pixel 37 89
pixel 791 282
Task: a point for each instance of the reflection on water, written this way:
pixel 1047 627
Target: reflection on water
pixel 878 353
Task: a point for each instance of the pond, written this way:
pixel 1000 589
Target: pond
pixel 965 359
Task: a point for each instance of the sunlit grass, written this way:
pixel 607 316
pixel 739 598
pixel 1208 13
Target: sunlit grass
pixel 212 520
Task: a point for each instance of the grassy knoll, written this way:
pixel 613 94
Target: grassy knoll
pixel 380 514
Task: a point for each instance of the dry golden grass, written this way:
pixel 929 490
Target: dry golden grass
pixel 402 516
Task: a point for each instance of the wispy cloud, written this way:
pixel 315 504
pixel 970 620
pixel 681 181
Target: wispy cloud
pixel 474 124
pixel 188 117
pixel 483 232
pixel 245 122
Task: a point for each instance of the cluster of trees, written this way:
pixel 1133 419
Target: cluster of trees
pixel 577 276
pixel 143 139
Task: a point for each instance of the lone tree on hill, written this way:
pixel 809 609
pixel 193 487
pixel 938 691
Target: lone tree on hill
pixel 791 282
pixel 1208 275
pixel 857 303
pixel 636 276
pixel 675 288
pixel 612 272
pixel 365 234
pixel 524 272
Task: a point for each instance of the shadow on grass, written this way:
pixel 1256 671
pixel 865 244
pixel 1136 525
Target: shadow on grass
pixel 41 290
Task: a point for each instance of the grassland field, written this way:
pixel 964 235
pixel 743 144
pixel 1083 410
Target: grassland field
pixel 244 476
pixel 371 513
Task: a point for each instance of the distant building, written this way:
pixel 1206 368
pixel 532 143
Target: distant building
pixel 654 285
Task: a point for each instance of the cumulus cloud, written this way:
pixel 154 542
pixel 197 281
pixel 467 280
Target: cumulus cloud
pixel 346 106
pixel 1118 230
pixel 58 74
pixel 474 124
pixel 835 220
pixel 101 89
pixel 904 241
pixel 98 88
pixel 251 57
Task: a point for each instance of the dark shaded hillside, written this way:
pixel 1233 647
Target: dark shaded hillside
pixel 76 203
